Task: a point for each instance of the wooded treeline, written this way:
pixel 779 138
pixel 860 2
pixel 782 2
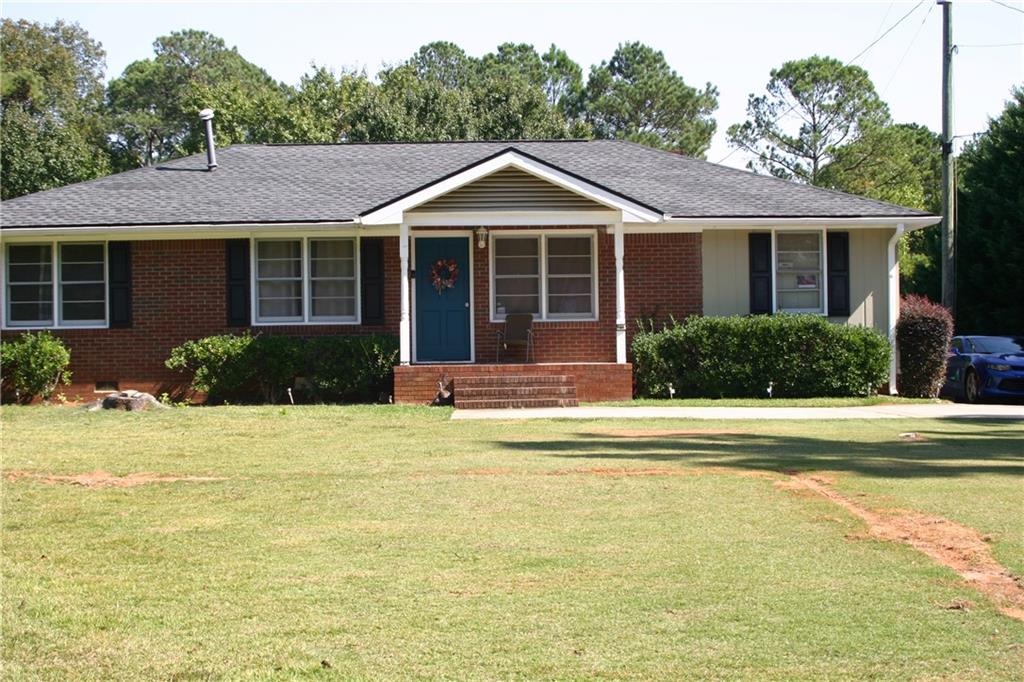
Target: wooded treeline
pixel 818 121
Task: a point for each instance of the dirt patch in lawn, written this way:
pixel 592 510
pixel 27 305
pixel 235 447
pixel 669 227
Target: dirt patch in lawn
pixel 105 479
pixel 670 433
pixel 955 546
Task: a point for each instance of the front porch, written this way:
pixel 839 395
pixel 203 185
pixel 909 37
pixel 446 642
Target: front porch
pixel 516 383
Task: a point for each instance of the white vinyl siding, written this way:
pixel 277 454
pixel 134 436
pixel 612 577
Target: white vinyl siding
pixel 55 285
pixel 307 280
pixel 553 277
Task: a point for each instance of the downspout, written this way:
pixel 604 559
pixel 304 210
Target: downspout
pixel 894 302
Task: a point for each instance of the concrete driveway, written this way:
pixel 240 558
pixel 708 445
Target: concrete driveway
pixel 895 411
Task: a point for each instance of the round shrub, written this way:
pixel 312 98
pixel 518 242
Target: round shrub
pixel 923 334
pixel 33 365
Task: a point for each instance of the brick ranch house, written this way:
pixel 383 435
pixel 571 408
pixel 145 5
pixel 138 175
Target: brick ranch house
pixel 588 236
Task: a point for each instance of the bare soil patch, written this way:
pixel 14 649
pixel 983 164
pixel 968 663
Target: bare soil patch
pixel 670 433
pixel 955 546
pixel 105 479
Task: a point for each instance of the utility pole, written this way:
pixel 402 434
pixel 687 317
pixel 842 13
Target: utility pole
pixel 948 196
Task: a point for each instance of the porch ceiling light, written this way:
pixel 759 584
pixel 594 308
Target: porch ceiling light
pixel 481 237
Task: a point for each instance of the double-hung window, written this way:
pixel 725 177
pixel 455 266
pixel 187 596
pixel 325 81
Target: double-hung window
pixel 550 276
pixel 799 273
pixel 56 285
pixel 306 280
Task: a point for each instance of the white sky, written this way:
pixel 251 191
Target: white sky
pixel 731 44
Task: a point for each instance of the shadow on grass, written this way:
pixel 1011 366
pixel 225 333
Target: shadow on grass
pixel 997 450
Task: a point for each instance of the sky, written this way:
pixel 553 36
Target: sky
pixel 733 45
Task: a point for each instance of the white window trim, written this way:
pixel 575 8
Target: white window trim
pixel 543 235
pixel 56 292
pixel 307 318
pixel 823 236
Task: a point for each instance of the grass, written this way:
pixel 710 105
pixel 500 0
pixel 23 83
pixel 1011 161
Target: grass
pixel 393 543
pixel 865 401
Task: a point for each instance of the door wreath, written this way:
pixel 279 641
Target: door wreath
pixel 444 275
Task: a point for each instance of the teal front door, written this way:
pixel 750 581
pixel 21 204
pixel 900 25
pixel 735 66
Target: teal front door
pixel 442 299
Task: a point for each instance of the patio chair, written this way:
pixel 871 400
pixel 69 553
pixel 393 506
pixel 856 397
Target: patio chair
pixel 518 333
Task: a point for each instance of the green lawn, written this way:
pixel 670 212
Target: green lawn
pixel 389 542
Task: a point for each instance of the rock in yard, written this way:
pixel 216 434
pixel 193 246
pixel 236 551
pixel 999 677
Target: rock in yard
pixel 131 401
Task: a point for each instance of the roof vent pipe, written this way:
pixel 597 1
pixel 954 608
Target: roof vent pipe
pixel 206 116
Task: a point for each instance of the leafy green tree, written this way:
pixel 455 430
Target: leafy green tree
pixel 990 227
pixel 324 106
pixel 51 97
pixel 637 96
pixel 811 109
pixel 156 101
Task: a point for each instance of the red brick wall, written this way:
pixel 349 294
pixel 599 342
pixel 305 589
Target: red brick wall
pixel 179 293
pixel 663 278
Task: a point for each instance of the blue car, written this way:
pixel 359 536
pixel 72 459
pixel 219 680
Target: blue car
pixel 985 368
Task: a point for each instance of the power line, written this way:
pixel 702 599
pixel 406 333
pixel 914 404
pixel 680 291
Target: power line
pixel 909 46
pixel 1003 4
pixel 992 45
pixel 859 55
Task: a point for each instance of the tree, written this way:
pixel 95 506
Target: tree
pixel 637 96
pixel 811 109
pixel 323 107
pixel 156 101
pixel 51 96
pixel 990 227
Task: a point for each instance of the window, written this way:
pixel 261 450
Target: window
pixel 56 285
pixel 551 277
pixel 306 280
pixel 517 275
pixel 798 272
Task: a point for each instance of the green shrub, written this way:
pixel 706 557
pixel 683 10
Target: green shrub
pixel 33 365
pixel 262 368
pixel 923 334
pixel 793 356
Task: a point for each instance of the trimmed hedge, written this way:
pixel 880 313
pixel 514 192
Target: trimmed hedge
pixel 798 356
pixel 250 369
pixel 923 334
pixel 32 366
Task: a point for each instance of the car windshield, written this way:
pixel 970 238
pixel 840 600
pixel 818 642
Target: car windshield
pixel 999 344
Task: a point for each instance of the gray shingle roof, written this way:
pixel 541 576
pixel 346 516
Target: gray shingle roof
pixel 313 183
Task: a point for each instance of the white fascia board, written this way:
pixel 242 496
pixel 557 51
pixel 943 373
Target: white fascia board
pixel 393 212
pixel 701 224
pixel 169 232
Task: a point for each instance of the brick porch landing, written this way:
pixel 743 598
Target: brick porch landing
pixel 594 381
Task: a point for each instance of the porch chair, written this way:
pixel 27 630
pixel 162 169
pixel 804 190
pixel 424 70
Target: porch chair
pixel 518 333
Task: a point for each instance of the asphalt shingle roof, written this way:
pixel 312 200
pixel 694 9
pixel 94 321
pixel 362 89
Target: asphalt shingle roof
pixel 313 183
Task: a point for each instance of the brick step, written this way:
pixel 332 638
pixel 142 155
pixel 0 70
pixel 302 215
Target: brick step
pixel 497 380
pixel 502 403
pixel 516 391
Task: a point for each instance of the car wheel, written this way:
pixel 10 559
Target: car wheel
pixel 972 387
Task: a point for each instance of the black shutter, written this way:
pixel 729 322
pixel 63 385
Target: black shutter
pixel 371 279
pixel 119 283
pixel 237 268
pixel 838 273
pixel 760 273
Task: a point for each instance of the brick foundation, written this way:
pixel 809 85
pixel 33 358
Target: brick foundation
pixel 595 381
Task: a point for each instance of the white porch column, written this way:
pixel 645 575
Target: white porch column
pixel 620 296
pixel 404 333
pixel 894 301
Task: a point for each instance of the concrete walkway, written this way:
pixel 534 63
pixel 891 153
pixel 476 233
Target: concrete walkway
pixel 896 411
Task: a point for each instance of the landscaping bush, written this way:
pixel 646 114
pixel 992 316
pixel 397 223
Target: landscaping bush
pixel 923 334
pixel 797 356
pixel 246 368
pixel 32 366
